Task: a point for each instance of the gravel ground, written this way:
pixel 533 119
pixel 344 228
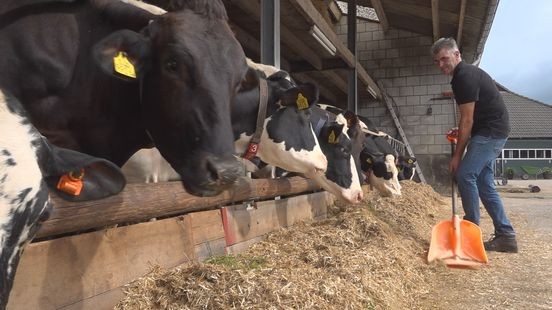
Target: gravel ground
pixel 509 281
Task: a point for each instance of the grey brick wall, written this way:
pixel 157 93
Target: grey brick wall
pixel 401 61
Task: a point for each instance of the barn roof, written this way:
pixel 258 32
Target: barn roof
pixel 469 22
pixel 529 118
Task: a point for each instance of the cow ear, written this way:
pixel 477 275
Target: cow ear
pixel 124 54
pixel 352 119
pixel 303 96
pixel 331 133
pixel 75 176
pixel 249 81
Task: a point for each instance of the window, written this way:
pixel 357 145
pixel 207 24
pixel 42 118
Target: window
pixel 527 154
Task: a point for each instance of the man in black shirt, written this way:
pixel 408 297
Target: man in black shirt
pixel 483 129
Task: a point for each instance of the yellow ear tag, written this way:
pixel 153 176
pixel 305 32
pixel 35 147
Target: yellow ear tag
pixel 410 161
pixel 302 102
pixel 331 138
pixel 123 66
pixel 369 160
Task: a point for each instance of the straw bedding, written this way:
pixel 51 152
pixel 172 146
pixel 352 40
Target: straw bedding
pixel 370 256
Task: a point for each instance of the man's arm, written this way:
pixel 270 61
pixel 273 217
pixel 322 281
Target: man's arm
pixel 464 131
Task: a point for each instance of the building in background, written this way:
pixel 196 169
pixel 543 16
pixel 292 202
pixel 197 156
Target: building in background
pixel 528 152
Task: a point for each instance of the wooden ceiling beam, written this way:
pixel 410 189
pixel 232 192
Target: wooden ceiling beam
pixel 304 78
pixel 445 17
pixel 327 64
pixel 435 19
pixel 246 40
pixel 307 9
pixel 336 80
pixel 461 18
pixel 378 7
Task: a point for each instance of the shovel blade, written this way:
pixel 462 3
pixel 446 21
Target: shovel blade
pixel 457 243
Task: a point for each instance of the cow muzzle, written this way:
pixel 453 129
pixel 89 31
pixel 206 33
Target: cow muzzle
pixel 213 175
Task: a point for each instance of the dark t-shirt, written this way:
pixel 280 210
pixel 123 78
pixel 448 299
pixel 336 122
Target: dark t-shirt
pixel 472 84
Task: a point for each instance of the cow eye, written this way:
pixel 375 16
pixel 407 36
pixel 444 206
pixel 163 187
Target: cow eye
pixel 171 65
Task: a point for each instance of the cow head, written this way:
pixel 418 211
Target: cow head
pixel 188 66
pixel 406 166
pixel 341 177
pixel 287 140
pixel 378 162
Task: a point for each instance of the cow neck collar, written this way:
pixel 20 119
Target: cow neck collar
pixel 253 147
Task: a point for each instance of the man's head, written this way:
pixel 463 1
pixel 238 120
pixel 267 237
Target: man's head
pixel 446 55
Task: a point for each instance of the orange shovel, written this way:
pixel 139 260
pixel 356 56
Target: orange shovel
pixel 457 243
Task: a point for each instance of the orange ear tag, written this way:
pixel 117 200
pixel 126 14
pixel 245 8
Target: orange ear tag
pixel 302 102
pixel 70 183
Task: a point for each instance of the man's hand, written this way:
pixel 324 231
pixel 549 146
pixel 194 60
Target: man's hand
pixel 454 163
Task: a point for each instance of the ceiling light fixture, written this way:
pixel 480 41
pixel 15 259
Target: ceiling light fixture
pixel 323 40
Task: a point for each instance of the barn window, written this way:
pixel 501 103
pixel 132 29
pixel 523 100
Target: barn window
pixel 531 153
pixel 515 154
pixel 540 153
pixel 548 154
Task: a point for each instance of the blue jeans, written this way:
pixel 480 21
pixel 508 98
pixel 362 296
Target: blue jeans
pixel 475 180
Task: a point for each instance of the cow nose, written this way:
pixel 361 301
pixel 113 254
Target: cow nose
pixel 223 171
pixel 360 196
pixel 321 165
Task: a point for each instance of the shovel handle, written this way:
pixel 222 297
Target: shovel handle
pixel 453 180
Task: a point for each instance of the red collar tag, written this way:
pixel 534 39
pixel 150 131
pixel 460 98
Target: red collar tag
pixel 251 151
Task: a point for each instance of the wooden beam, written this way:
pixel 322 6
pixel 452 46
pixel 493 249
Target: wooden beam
pixel 370 84
pixel 246 40
pixel 304 78
pixel 335 11
pixel 435 19
pixel 140 202
pixel 70 272
pixel 336 80
pixel 242 223
pixel 405 8
pixel 307 9
pixel 252 44
pixel 461 22
pixel 376 4
pixel 327 64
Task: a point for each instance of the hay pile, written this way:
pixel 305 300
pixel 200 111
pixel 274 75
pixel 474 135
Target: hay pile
pixel 367 257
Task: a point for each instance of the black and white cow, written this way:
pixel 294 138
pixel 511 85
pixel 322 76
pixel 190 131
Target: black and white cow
pixel 28 166
pixel 342 177
pixel 377 158
pixel 107 78
pixel 407 167
pixel 287 139
pixel 378 163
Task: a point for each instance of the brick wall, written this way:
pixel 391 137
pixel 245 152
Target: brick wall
pixel 402 62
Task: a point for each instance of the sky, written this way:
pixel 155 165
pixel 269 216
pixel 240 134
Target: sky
pixel 518 51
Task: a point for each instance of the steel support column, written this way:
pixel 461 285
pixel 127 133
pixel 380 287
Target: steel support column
pixel 270 32
pixel 351 44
